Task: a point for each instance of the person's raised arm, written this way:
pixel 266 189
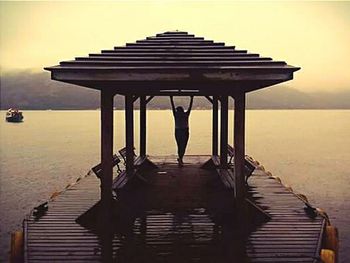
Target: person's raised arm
pixel 172 104
pixel 190 106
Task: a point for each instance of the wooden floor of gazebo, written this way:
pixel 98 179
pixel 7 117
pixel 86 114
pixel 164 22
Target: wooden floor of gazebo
pixel 181 215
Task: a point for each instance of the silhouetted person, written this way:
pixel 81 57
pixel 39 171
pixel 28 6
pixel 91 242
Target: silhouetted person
pixel 181 128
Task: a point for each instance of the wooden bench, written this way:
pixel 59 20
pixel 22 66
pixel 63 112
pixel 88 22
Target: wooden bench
pixel 230 153
pixel 249 167
pixel 227 178
pixel 120 180
pixel 216 160
pixel 138 160
pixel 98 168
pixel 122 153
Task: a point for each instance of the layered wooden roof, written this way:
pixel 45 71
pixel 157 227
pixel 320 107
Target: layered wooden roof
pixel 174 61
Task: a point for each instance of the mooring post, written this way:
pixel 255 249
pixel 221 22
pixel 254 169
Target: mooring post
pixel 215 132
pixel 223 131
pixel 105 213
pixel 129 134
pixel 143 125
pixel 239 146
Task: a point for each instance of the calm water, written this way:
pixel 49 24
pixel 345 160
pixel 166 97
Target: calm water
pixel 309 150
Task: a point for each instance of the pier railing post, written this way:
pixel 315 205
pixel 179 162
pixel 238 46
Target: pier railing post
pixel 239 146
pixel 143 125
pixel 105 213
pixel 215 131
pixel 223 131
pixel 129 133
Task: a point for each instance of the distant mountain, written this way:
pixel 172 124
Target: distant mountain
pixel 36 91
pixel 26 90
pixel 283 97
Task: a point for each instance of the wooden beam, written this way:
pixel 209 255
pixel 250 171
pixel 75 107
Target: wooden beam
pixel 162 49
pixel 156 88
pixel 129 133
pixel 174 49
pixel 185 93
pixel 239 146
pixel 172 44
pixel 215 131
pixel 178 38
pixel 178 42
pixel 188 55
pixel 135 98
pixel 167 38
pixel 209 99
pixel 224 131
pixel 171 63
pixel 149 99
pixel 174 34
pixel 105 216
pixel 179 75
pixel 143 104
pixel 137 57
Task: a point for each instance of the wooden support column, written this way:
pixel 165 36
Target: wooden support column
pixel 223 131
pixel 239 146
pixel 143 125
pixel 105 213
pixel 129 133
pixel 215 131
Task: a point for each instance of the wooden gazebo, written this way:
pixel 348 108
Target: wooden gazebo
pixel 179 64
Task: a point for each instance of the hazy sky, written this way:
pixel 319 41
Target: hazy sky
pixel 312 35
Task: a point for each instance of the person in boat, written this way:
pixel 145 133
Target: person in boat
pixel 181 128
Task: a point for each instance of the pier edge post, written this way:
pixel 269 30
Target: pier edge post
pixel 239 146
pixel 105 213
pixel 129 133
pixel 143 125
pixel 215 131
pixel 223 131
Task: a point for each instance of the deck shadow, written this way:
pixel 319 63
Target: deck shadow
pixel 177 215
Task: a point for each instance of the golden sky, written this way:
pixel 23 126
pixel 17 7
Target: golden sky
pixel 312 35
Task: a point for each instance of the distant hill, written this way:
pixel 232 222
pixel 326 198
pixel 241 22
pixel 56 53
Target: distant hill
pixel 36 91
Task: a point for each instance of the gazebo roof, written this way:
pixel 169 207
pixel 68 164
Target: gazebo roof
pixel 173 61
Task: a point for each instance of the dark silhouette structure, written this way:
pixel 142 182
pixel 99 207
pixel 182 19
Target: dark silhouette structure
pixel 172 64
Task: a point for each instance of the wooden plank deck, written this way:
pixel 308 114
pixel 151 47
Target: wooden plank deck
pixel 290 235
pixel 179 215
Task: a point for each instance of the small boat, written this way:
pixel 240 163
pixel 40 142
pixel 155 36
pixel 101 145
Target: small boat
pixel 13 115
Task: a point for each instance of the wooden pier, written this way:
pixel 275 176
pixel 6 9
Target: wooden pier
pixel 173 63
pixel 176 215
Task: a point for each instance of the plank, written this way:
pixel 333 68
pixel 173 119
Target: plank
pixel 193 44
pixel 171 54
pixel 289 236
pixel 92 62
pixel 172 59
pixel 173 50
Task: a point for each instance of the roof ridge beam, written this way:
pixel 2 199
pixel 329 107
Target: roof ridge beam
pixel 175 33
